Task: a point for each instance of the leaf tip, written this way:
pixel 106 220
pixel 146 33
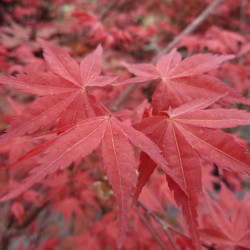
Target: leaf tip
pixel 41 41
pixel 99 50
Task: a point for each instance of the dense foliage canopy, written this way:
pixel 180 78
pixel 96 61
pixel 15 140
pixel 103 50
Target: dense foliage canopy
pixel 120 124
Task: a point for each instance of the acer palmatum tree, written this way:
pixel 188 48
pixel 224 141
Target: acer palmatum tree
pixel 185 134
pixel 67 152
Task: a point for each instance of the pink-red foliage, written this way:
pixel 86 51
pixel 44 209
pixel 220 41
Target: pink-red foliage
pixel 165 171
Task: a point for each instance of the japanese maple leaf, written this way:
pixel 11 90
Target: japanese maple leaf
pixel 231 232
pixel 69 206
pixel 183 80
pixel 185 134
pixel 224 40
pixel 64 98
pixel 117 152
pixel 14 35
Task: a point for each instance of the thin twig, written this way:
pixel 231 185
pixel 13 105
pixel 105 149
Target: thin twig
pixel 31 216
pixel 150 228
pixel 159 221
pixel 166 227
pixel 187 31
pixel 106 11
pixel 123 97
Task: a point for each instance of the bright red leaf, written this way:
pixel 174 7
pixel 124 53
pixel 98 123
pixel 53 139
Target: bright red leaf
pixel 118 158
pixel 231 231
pixel 65 98
pixel 182 81
pixel 181 134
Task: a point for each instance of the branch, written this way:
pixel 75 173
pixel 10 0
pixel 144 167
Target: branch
pixel 187 31
pixel 150 228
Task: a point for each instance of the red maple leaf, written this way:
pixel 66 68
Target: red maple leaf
pixel 117 152
pixel 231 230
pixel 64 98
pixel 69 206
pixel 183 80
pixel 185 134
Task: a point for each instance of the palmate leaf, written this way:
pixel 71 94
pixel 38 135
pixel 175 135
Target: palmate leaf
pixel 118 158
pixel 65 99
pixel 69 206
pixel 183 81
pixel 184 132
pixel 231 231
